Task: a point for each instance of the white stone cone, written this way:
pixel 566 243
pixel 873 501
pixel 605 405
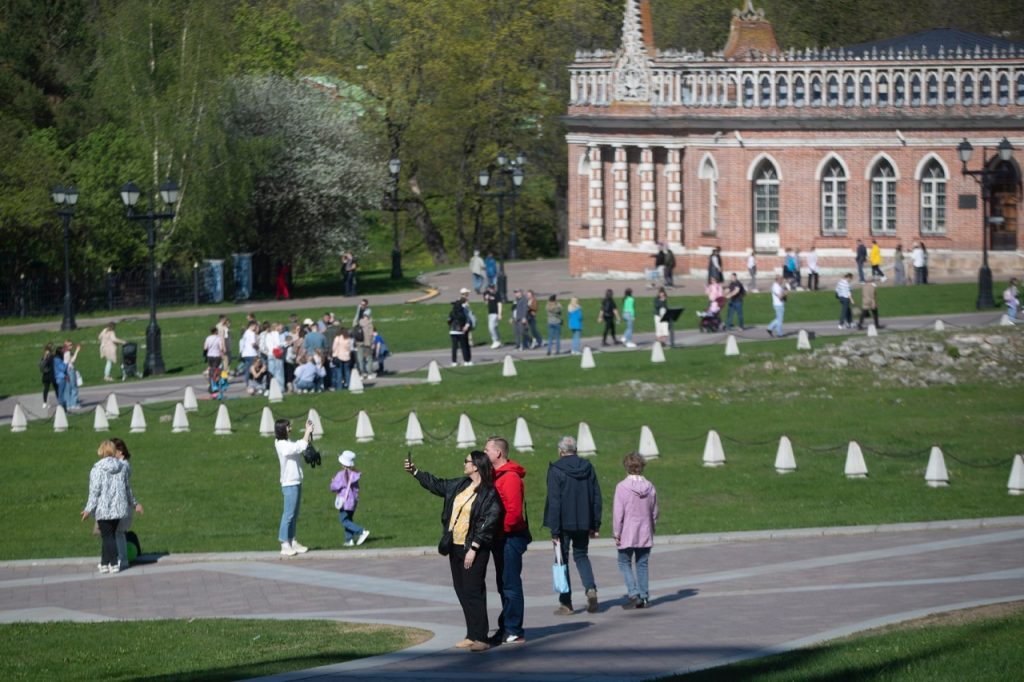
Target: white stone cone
pixel 466 437
pixel 355 382
pixel 364 429
pixel 1005 321
pixel 189 401
pixel 267 420
pixel 803 341
pixel 936 475
pixel 1016 482
pixel 648 448
pixel 855 467
pixel 180 423
pixel 60 420
pixel 714 455
pixel 509 368
pixel 872 330
pixel 275 395
pixel 523 442
pixel 731 347
pixel 940 326
pixel 318 427
pixel 413 430
pixel 19 422
pixel 785 462
pixel 222 427
pixel 111 408
pixel 138 420
pixel 433 373
pixel 99 420
pixel 587 360
pixel 585 446
pixel 657 352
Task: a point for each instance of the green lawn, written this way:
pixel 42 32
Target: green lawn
pixel 193 650
pixel 418 327
pixel 220 493
pixel 940 648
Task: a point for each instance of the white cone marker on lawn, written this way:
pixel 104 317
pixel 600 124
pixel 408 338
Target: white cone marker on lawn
pixel 940 326
pixel 648 447
pixel 413 430
pixel 180 423
pixel 657 353
pixel 99 420
pixel 189 401
pixel 60 420
pixel 364 429
pixel 936 475
pixel 19 422
pixel 466 437
pixel 587 360
pixel 275 395
pixel 1016 483
pixel 111 408
pixel 508 369
pixel 803 341
pixel 855 467
pixel 267 420
pixel 433 373
pixel 714 455
pixel 522 442
pixel 872 331
pixel 318 426
pixel 731 347
pixel 585 446
pixel 138 420
pixel 222 427
pixel 355 382
pixel 785 462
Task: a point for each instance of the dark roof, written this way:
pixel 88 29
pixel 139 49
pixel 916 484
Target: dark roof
pixel 927 43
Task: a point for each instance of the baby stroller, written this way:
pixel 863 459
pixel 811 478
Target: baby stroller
pixel 711 319
pixel 130 360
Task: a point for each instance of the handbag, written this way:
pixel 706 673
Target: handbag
pixel 444 547
pixel 559 571
pixel 78 379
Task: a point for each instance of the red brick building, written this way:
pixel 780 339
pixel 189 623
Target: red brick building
pixel 756 147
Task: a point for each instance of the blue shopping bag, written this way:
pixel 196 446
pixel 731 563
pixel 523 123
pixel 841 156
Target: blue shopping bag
pixel 559 571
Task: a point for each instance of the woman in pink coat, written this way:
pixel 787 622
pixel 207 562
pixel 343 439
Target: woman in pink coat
pixel 634 513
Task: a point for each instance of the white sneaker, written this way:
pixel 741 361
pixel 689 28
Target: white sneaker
pixel 349 543
pixel 103 568
pixel 299 549
pixel 630 344
pixel 455 364
pixel 286 549
pixel 468 364
pixel 362 537
pixel 496 344
pixel 113 568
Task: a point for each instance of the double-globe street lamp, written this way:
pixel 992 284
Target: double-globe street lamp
pixel 130 194
pixel 394 167
pixel 985 177
pixel 66 198
pixel 510 176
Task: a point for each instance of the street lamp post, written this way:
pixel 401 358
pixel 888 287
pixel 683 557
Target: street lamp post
pixel 394 167
pixel 984 177
pixel 509 179
pixel 130 194
pixel 66 197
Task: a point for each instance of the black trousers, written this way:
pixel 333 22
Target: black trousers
pixel 812 281
pixel 864 313
pixel 461 341
pixel 108 553
pixel 471 591
pixel 609 328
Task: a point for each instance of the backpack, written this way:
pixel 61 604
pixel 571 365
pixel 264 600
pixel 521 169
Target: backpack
pixel 457 317
pixel 357 333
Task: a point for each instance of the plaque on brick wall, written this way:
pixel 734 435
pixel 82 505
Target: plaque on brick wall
pixel 967 201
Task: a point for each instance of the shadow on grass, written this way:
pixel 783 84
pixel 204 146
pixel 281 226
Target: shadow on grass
pixel 270 667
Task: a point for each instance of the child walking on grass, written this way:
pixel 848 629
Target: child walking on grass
pixel 346 486
pixel 634 513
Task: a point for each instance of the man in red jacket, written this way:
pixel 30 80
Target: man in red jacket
pixel 508 550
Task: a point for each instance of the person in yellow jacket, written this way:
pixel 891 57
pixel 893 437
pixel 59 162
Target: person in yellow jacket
pixel 875 258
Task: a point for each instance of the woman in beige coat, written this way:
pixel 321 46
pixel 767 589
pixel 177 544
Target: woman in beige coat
pixel 108 349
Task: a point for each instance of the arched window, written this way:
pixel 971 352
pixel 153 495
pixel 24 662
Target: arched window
pixel 933 199
pixel 799 92
pixel 933 90
pixel 1004 90
pixel 709 183
pixel 781 92
pixel 915 91
pixel 967 92
pixel 1020 88
pixel 816 91
pixel 950 94
pixel 986 90
pixel 900 96
pixel 766 91
pixel 850 92
pixel 833 91
pixel 865 91
pixel 748 92
pixel 883 91
pixel 766 199
pixel 883 198
pixel 833 199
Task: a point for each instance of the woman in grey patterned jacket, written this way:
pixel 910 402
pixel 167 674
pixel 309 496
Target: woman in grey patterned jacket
pixel 108 501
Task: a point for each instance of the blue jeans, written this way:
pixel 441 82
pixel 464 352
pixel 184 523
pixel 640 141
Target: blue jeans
pixel 306 386
pixel 576 334
pixel 71 389
pixel 478 283
pixel 276 366
pixel 734 307
pixel 636 585
pixel 580 541
pixel 776 324
pixel 340 373
pixel 627 335
pixel 61 394
pixel 352 529
pixel 555 338
pixel 860 271
pixel 845 312
pixel 290 515
pixel 508 572
pixel 246 366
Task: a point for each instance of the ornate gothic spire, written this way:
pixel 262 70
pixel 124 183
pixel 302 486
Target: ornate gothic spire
pixel 751 36
pixel 632 68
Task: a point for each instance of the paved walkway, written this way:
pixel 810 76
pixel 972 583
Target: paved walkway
pixel 716 598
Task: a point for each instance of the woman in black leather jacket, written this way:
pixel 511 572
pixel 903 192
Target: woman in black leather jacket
pixel 470 518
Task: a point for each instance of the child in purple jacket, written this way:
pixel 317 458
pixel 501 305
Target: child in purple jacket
pixel 634 513
pixel 345 485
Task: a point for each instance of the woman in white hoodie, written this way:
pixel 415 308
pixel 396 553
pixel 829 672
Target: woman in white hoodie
pixel 108 500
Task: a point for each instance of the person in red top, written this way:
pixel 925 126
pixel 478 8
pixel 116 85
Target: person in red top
pixel 509 549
